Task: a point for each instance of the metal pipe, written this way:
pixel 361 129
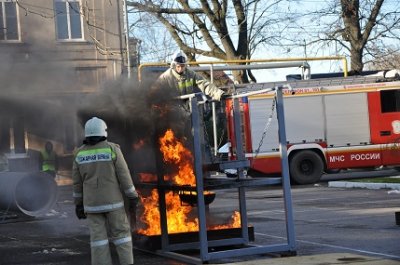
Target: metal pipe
pixel 214 122
pixel 32 193
pixel 306 59
pixel 214 114
pixel 126 29
pixel 198 171
pixel 252 66
pixel 211 68
pixel 240 156
pixel 280 112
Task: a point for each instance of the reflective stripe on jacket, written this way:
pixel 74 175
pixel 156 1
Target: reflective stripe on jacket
pixel 99 174
pixel 189 82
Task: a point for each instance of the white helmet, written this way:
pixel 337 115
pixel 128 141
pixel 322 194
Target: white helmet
pixel 178 58
pixel 95 127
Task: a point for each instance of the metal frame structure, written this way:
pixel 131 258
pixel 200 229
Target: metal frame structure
pixel 252 64
pixel 241 183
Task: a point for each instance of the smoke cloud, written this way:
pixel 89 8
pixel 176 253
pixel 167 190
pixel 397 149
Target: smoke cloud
pixel 137 114
pixel 37 95
pixel 32 94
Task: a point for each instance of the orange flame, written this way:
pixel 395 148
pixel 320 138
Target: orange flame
pixel 174 152
pixel 178 219
pixel 176 215
pixel 234 223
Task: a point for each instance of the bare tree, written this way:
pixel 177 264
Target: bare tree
pixel 221 29
pixel 358 28
pixel 385 60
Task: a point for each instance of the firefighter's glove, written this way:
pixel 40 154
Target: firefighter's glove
pixel 228 92
pixel 133 204
pixel 80 212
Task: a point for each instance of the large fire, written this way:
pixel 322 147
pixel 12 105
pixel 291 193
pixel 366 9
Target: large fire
pixel 178 219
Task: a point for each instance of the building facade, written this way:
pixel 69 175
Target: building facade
pixel 52 54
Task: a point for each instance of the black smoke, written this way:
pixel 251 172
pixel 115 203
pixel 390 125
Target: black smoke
pixel 137 114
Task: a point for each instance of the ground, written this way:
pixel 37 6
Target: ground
pixel 326 221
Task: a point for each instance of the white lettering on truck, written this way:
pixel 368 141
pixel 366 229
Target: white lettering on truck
pixel 334 159
pixel 368 156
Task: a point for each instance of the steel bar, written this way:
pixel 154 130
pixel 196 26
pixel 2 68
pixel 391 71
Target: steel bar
pixel 252 67
pixel 249 61
pixel 190 240
pixel 250 250
pixel 240 156
pixel 285 169
pixel 211 243
pixel 215 135
pixel 234 164
pixel 198 170
pixel 161 197
pixel 216 184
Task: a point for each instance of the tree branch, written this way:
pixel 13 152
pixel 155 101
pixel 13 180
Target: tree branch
pixel 371 21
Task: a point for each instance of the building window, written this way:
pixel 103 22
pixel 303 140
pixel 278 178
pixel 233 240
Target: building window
pixel 8 21
pixel 89 78
pixel 68 19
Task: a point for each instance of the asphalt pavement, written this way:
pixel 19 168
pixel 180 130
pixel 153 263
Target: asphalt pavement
pixel 332 225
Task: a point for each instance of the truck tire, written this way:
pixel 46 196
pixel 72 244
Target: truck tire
pixel 306 167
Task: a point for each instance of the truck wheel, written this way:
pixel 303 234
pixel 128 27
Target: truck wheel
pixel 306 167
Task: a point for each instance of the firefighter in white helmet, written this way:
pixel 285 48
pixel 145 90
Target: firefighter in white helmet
pixel 99 174
pixel 186 81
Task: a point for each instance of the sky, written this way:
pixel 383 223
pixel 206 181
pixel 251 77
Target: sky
pixel 267 52
pixel 279 74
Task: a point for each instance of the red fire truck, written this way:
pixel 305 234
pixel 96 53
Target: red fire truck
pixel 331 124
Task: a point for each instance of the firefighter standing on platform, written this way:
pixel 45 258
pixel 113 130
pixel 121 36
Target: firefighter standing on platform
pixel 100 174
pixel 179 80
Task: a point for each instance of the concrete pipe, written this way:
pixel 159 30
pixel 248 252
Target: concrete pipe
pixel 32 193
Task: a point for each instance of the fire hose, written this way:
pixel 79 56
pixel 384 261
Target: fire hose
pixel 32 193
